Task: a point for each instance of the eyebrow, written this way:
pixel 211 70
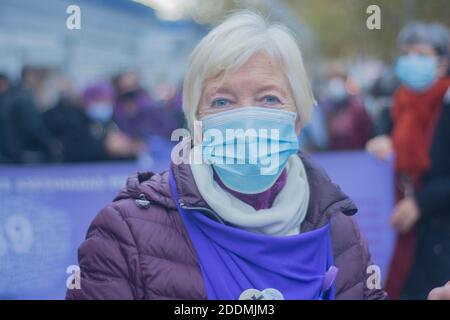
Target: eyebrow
pixel 218 89
pixel 273 87
pixel 225 90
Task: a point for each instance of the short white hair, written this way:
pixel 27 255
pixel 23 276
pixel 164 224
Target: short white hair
pixel 231 44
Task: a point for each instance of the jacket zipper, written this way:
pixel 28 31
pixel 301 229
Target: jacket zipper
pixel 210 212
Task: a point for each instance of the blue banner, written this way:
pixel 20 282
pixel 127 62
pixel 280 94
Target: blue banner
pixel 370 184
pixel 45 212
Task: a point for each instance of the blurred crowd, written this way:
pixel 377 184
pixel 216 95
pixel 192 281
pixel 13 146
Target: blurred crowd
pixel 348 112
pixel 44 119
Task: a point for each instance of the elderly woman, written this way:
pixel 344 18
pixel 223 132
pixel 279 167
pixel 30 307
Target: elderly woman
pixel 420 138
pixel 262 224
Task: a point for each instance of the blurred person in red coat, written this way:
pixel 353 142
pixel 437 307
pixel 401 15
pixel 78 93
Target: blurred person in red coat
pixel 420 139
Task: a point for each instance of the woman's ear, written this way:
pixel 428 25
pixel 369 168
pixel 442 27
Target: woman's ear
pixel 298 125
pixel 443 67
pixel 198 132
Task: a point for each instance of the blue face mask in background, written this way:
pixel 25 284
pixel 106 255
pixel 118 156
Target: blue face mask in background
pixel 100 112
pixel 249 147
pixel 416 72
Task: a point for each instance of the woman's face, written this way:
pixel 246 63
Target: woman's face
pixel 424 49
pixel 259 82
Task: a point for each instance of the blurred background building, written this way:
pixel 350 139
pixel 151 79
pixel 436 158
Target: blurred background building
pixel 115 35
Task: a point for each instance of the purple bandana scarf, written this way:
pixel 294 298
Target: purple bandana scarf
pixel 237 264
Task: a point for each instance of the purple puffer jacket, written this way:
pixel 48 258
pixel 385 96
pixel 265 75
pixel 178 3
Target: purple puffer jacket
pixel 138 249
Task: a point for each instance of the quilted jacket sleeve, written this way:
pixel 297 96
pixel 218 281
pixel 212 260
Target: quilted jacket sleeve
pixel 108 260
pixel 373 278
pixel 358 277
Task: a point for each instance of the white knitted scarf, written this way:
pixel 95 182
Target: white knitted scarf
pixel 282 219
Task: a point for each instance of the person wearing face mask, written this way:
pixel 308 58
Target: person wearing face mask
pixel 420 139
pixel 86 130
pixel 349 125
pixel 241 213
pixel 136 113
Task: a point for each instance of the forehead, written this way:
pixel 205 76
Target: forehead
pixel 259 69
pixel 419 48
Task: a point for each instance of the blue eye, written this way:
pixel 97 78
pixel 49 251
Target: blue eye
pixel 271 100
pixel 220 103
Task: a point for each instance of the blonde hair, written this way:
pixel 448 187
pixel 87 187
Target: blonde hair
pixel 231 44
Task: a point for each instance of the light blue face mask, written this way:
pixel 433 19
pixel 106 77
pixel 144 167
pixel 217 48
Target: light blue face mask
pixel 416 72
pixel 100 112
pixel 249 147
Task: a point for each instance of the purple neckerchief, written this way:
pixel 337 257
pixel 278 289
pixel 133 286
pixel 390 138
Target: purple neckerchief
pixel 237 264
pixel 261 200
